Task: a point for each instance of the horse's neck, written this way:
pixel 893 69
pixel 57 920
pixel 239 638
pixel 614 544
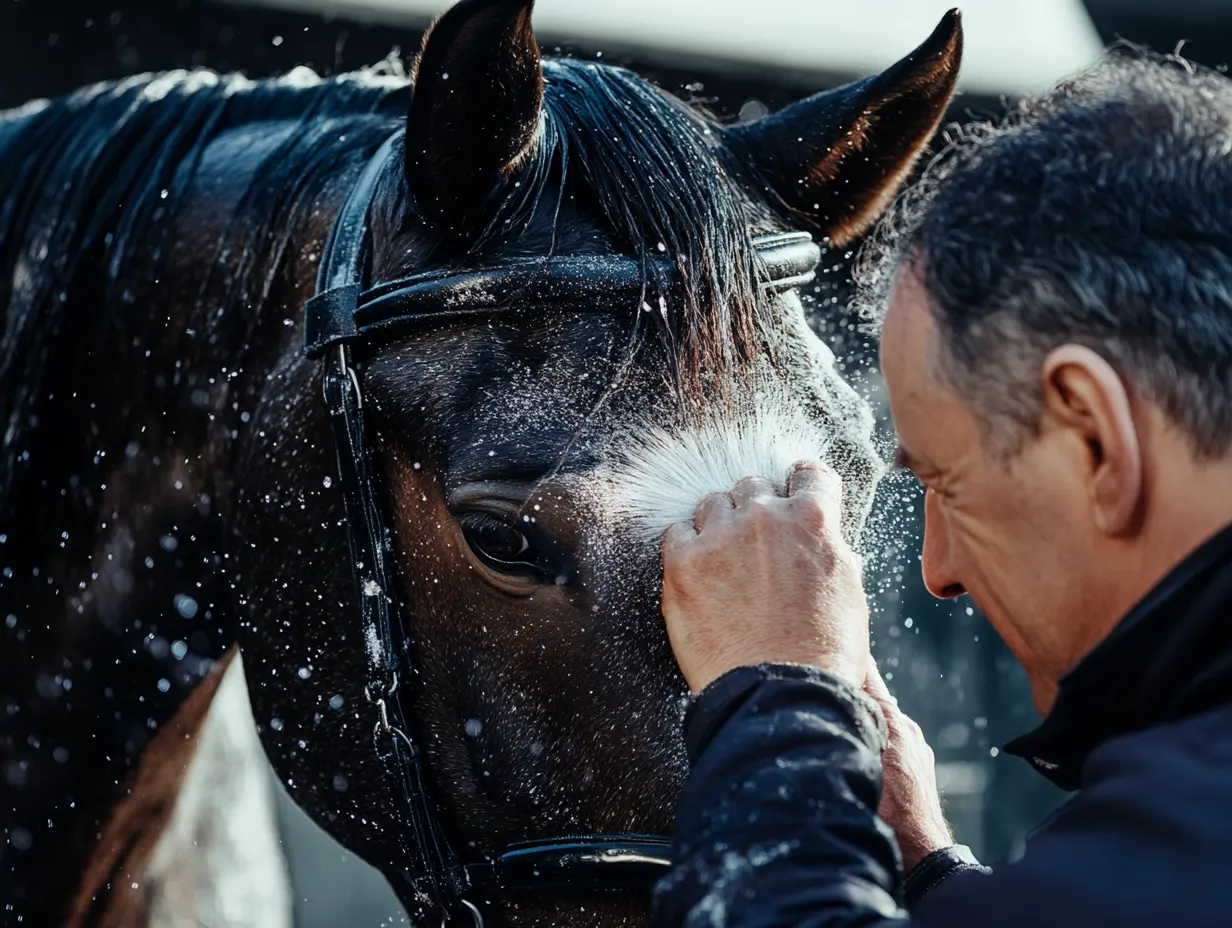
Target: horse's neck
pixel 119 586
pixel 195 841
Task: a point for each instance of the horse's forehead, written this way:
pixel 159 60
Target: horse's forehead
pixel 517 403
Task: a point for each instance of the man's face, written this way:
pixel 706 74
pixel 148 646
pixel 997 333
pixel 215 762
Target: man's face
pixel 1014 533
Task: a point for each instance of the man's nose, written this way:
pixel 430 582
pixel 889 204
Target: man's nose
pixel 936 561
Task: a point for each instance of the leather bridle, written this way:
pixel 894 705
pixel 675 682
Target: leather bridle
pixel 345 313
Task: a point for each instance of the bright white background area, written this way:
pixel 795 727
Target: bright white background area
pixel 1012 46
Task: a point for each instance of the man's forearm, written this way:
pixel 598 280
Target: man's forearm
pixel 777 824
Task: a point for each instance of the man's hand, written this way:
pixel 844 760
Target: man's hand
pixel 762 578
pixel 910 803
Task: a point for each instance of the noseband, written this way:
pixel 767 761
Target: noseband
pixel 345 312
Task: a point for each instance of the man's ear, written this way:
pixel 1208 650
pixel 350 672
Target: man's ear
pixel 1084 394
pixel 834 161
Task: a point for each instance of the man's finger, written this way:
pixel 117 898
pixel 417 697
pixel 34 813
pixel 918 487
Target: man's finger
pixel 677 535
pixel 751 488
pixel 822 483
pixel 712 506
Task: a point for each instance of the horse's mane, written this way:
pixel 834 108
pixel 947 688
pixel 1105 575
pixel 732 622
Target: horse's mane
pixel 92 181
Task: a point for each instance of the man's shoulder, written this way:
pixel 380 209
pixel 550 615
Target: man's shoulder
pixel 1152 802
pixel 1175 764
pixel 1146 837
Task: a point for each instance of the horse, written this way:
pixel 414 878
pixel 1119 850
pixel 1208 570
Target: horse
pixel 584 332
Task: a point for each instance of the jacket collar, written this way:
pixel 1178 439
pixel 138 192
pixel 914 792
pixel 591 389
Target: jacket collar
pixel 1169 658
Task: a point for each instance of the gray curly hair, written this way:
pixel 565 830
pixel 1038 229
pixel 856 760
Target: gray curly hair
pixel 1099 214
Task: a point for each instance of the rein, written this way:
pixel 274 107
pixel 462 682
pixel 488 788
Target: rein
pixel 346 312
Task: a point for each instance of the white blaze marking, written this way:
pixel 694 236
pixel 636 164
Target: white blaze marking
pixel 661 473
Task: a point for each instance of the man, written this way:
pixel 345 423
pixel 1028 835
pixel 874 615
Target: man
pixel 1057 350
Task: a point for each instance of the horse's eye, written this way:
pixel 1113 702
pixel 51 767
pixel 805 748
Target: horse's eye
pixel 495 540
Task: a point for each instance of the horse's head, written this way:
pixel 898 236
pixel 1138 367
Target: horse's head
pixel 531 458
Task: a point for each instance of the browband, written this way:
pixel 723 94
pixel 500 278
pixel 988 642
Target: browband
pixel 344 311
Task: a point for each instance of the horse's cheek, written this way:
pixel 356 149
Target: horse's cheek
pixel 298 631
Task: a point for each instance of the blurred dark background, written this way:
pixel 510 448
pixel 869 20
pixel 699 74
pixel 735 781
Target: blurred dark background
pixel 948 667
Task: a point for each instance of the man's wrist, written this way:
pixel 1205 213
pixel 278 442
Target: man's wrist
pixel 937 867
pixel 850 672
pixel 924 843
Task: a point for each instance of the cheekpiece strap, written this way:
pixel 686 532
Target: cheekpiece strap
pixel 431 866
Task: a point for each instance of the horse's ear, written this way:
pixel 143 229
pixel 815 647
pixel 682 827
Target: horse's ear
pixel 475 106
pixel 835 160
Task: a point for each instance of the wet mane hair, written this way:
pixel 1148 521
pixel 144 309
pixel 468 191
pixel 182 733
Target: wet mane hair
pixel 93 182
pixel 660 175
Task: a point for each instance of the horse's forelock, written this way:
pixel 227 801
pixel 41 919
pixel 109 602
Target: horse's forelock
pixel 667 190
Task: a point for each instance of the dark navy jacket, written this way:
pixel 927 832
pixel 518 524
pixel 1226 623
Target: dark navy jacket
pixel 777 824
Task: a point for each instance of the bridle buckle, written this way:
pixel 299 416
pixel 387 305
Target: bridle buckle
pixel 382 725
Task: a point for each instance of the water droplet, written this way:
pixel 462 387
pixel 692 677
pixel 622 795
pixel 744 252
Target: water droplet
pixel 336 701
pixel 474 727
pixel 276 724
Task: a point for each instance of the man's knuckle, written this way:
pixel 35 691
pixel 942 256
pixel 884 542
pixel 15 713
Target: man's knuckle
pixel 691 556
pixel 758 510
pixel 809 510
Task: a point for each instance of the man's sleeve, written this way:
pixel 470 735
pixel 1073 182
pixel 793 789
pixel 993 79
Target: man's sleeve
pixel 777 824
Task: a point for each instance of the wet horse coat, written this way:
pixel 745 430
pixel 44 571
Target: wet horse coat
pixel 168 482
